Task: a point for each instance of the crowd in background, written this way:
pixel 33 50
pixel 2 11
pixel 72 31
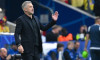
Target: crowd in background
pixel 57 34
pixel 3 22
pixel 86 5
pixel 61 34
pixel 69 53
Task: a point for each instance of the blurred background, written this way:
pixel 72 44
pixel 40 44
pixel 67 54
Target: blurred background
pixel 75 16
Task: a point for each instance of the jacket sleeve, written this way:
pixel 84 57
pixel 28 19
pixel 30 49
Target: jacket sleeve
pixel 18 30
pixel 46 27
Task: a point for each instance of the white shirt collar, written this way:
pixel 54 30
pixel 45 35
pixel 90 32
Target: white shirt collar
pixel 96 24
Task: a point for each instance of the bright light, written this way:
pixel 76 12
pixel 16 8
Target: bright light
pixel 0 9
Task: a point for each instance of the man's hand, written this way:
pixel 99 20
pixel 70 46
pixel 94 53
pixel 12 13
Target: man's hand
pixel 20 49
pixel 55 16
pixel 85 49
pixel 8 57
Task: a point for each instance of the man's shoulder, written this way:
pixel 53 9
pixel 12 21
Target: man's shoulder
pixel 94 26
pixel 20 17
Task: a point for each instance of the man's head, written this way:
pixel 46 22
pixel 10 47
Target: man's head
pixel 70 45
pixel 56 29
pixel 77 45
pixel 27 7
pixel 60 47
pixel 3 52
pixel 97 20
pixel 83 29
pixel 14 46
pixel 64 32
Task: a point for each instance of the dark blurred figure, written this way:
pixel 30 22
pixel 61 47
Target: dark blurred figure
pixel 2 3
pixel 82 34
pixel 68 52
pixel 54 54
pixel 13 49
pixel 97 7
pixel 77 54
pixel 65 36
pixel 77 45
pixel 52 36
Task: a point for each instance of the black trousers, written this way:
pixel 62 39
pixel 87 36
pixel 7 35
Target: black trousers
pixel 95 54
pixel 29 56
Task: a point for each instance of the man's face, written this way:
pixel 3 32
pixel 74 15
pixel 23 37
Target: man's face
pixel 61 49
pixel 77 45
pixel 29 9
pixel 81 29
pixel 58 30
pixel 14 47
pixel 4 53
pixel 71 46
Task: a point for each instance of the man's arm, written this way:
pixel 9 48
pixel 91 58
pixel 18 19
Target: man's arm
pixel 86 42
pixel 17 34
pixel 54 19
pixel 18 31
pixel 46 27
pixel 87 38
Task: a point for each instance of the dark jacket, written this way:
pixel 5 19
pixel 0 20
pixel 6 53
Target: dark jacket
pixel 51 37
pixel 68 55
pixel 25 30
pixel 53 54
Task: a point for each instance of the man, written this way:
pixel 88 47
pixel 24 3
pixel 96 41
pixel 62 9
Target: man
pixel 77 45
pixel 3 53
pixel 94 35
pixel 53 35
pixel 77 53
pixel 13 49
pixel 82 34
pixel 68 52
pixel 28 28
pixel 65 36
pixel 54 53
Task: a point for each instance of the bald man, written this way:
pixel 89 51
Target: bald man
pixel 3 53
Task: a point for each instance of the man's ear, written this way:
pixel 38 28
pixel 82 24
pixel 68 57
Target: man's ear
pixel 25 9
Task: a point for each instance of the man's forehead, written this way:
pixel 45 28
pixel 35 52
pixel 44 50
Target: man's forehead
pixel 30 4
pixel 3 49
